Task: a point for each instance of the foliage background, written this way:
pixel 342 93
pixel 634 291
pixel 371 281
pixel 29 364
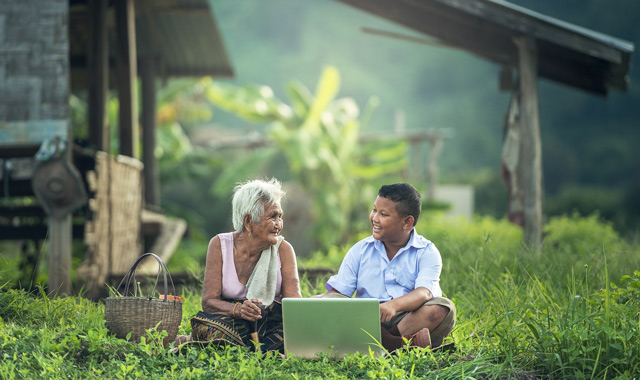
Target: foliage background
pixel 588 157
pixel 588 141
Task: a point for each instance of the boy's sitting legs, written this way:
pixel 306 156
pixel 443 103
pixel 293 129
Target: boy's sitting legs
pixel 426 326
pixel 426 316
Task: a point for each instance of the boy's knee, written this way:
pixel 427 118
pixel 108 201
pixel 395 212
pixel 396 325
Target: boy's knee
pixel 433 314
pixel 440 322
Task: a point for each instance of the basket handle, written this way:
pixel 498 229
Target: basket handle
pixel 131 274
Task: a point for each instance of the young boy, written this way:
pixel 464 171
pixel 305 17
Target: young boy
pixel 400 268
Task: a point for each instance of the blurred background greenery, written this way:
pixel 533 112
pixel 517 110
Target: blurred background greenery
pixel 588 141
pixel 310 85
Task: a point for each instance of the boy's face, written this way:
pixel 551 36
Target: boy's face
pixel 386 224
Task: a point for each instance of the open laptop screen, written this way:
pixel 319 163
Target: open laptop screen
pixel 333 325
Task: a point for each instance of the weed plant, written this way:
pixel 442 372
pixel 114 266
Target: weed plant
pixel 567 311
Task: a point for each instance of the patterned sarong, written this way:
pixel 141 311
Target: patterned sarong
pixel 222 329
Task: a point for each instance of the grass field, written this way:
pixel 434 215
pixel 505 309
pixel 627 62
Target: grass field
pixel 568 311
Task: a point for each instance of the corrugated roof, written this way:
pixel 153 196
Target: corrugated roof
pixel 183 35
pixel 180 35
pixel 567 53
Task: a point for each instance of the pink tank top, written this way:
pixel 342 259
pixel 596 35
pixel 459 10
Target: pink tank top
pixel 232 288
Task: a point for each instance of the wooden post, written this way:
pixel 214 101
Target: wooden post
pixel 531 155
pixel 98 75
pixel 60 256
pixel 60 238
pixel 127 73
pixel 151 176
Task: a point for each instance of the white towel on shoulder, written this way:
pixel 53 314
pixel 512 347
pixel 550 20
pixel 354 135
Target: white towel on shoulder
pixel 263 280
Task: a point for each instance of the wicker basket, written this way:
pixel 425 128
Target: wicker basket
pixel 128 314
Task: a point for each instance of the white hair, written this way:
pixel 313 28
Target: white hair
pixel 251 197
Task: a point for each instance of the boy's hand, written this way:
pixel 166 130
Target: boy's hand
pixel 387 311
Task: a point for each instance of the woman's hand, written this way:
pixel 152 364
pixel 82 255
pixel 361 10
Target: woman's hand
pixel 249 310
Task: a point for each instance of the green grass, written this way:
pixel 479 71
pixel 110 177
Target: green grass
pixel 570 311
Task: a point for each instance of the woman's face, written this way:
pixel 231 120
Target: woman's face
pixel 270 224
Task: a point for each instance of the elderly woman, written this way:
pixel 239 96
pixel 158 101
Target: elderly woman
pixel 248 272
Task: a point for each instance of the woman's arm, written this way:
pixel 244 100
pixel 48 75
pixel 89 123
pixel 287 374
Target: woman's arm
pixel 212 284
pixel 289 270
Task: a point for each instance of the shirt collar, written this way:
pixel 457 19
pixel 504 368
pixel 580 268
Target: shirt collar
pixel 414 241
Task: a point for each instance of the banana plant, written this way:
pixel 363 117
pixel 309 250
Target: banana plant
pixel 181 103
pixel 319 135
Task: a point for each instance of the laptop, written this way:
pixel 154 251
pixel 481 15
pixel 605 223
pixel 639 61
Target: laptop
pixel 336 326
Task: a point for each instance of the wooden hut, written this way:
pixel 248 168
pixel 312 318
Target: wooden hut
pixel 48 49
pixel 527 43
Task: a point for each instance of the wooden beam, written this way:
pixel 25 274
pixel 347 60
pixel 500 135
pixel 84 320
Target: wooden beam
pixel 18 150
pixel 35 231
pixel 256 140
pixel 98 75
pixel 409 135
pixel 127 74
pixel 577 70
pixel 531 152
pixel 22 211
pixel 151 175
pixel 16 188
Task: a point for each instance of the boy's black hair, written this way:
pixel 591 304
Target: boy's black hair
pixel 406 198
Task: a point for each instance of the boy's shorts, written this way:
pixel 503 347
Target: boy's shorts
pixel 443 329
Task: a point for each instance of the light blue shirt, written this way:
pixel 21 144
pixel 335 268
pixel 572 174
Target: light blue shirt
pixel 367 271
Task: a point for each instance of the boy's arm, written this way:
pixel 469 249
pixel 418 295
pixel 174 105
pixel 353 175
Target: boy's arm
pixel 429 269
pixel 408 302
